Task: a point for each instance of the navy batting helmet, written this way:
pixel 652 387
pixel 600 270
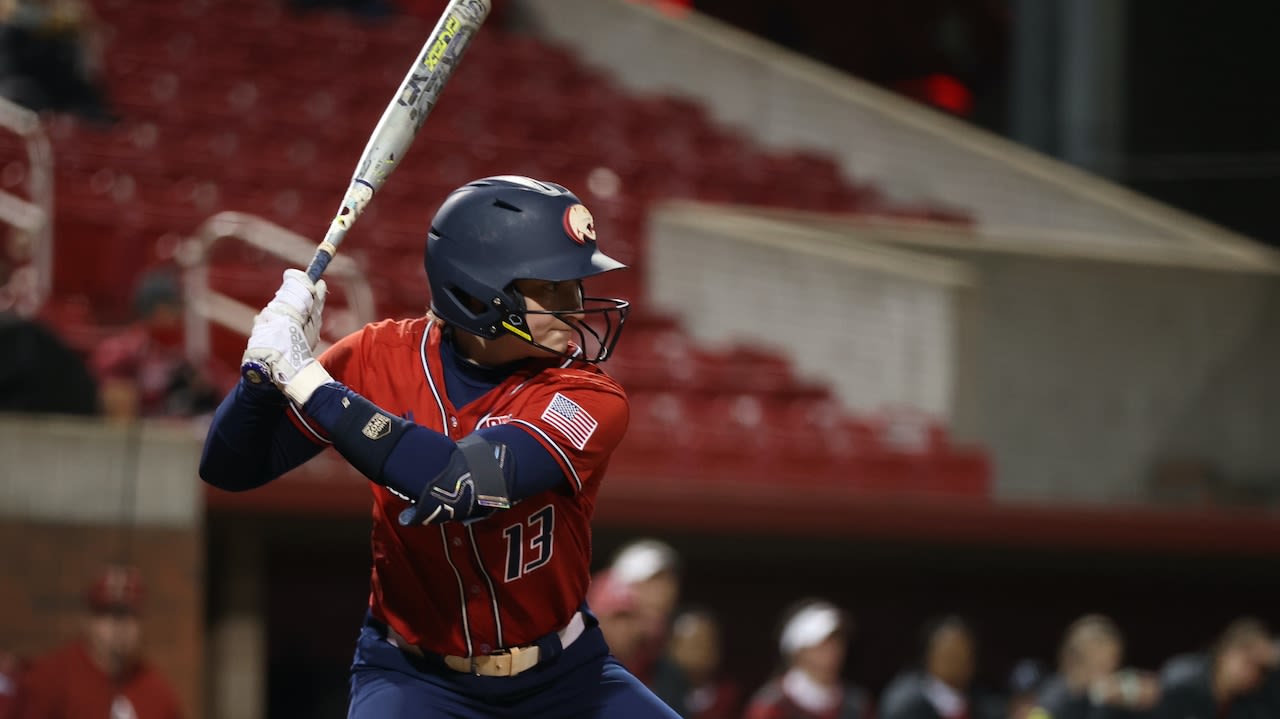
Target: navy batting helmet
pixel 491 232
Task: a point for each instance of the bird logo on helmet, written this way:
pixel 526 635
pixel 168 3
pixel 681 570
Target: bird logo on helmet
pixel 579 224
pixel 492 232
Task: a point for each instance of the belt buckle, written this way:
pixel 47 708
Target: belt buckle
pixel 475 662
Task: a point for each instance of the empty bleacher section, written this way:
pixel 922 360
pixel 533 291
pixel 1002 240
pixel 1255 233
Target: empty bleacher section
pixel 231 105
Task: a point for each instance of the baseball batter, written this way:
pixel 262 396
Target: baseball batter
pixel 485 428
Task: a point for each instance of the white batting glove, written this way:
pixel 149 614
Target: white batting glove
pixel 302 300
pixel 285 333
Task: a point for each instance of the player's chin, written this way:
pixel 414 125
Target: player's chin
pixel 556 343
pixel 555 349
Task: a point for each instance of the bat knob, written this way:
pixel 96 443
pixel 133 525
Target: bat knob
pixel 255 372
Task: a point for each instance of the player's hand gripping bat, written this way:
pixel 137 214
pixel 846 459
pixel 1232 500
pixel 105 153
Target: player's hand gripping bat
pixel 400 122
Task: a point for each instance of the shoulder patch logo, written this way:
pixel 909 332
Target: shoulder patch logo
pixel 378 426
pixel 579 224
pixel 571 419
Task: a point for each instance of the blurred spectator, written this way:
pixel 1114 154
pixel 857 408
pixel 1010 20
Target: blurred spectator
pixel 47 57
pixel 1025 680
pixel 651 570
pixel 813 643
pixel 102 674
pixel 1090 683
pixel 614 604
pixel 40 374
pixel 143 371
pixel 688 678
pixel 1239 679
pixel 942 687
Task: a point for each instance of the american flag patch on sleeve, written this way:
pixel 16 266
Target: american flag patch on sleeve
pixel 571 419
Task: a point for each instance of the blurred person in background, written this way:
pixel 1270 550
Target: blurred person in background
pixel 102 674
pixel 143 370
pixel 942 687
pixel 1238 679
pixel 813 643
pixel 1090 682
pixel 40 373
pixel 614 604
pixel 1025 680
pixel 49 57
pixel 651 569
pixel 688 677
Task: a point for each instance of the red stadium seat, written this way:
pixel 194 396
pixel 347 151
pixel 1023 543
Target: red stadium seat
pixel 223 110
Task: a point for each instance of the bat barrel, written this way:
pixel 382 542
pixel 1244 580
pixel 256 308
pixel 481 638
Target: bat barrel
pixel 395 131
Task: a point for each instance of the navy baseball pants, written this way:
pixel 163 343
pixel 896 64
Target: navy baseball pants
pixel 583 682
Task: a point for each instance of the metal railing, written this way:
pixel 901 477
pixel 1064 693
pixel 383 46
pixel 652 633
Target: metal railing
pixel 30 220
pixel 205 305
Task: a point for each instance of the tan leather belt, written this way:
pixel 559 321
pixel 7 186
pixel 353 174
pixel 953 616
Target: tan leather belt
pixel 502 663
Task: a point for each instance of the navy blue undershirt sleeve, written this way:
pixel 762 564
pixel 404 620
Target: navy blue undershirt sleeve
pixel 252 440
pixel 533 470
pixel 421 454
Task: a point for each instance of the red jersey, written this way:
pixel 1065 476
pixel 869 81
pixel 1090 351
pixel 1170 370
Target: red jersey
pixel 67 684
pixel 508 579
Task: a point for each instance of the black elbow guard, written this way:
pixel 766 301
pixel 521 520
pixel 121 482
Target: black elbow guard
pixel 487 462
pixel 473 484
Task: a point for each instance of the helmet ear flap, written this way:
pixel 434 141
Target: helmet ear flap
pixel 476 308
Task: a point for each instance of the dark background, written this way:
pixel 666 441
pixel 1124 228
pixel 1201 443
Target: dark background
pixel 1201 122
pixel 1018 595
pixel 1200 129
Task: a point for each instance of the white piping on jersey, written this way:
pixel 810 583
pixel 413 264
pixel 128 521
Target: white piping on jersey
pixel 577 352
pixel 426 370
pixel 444 537
pixel 462 590
pixel 493 595
pixel 572 471
pixel 294 408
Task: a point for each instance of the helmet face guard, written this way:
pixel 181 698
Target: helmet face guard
pixel 598 325
pixel 492 232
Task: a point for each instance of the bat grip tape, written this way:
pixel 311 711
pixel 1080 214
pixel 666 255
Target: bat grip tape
pixel 319 263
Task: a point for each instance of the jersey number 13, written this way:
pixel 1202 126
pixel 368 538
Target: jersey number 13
pixel 531 538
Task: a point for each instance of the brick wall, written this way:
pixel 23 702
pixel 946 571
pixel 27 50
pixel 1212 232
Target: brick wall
pixel 68 490
pixel 47 565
